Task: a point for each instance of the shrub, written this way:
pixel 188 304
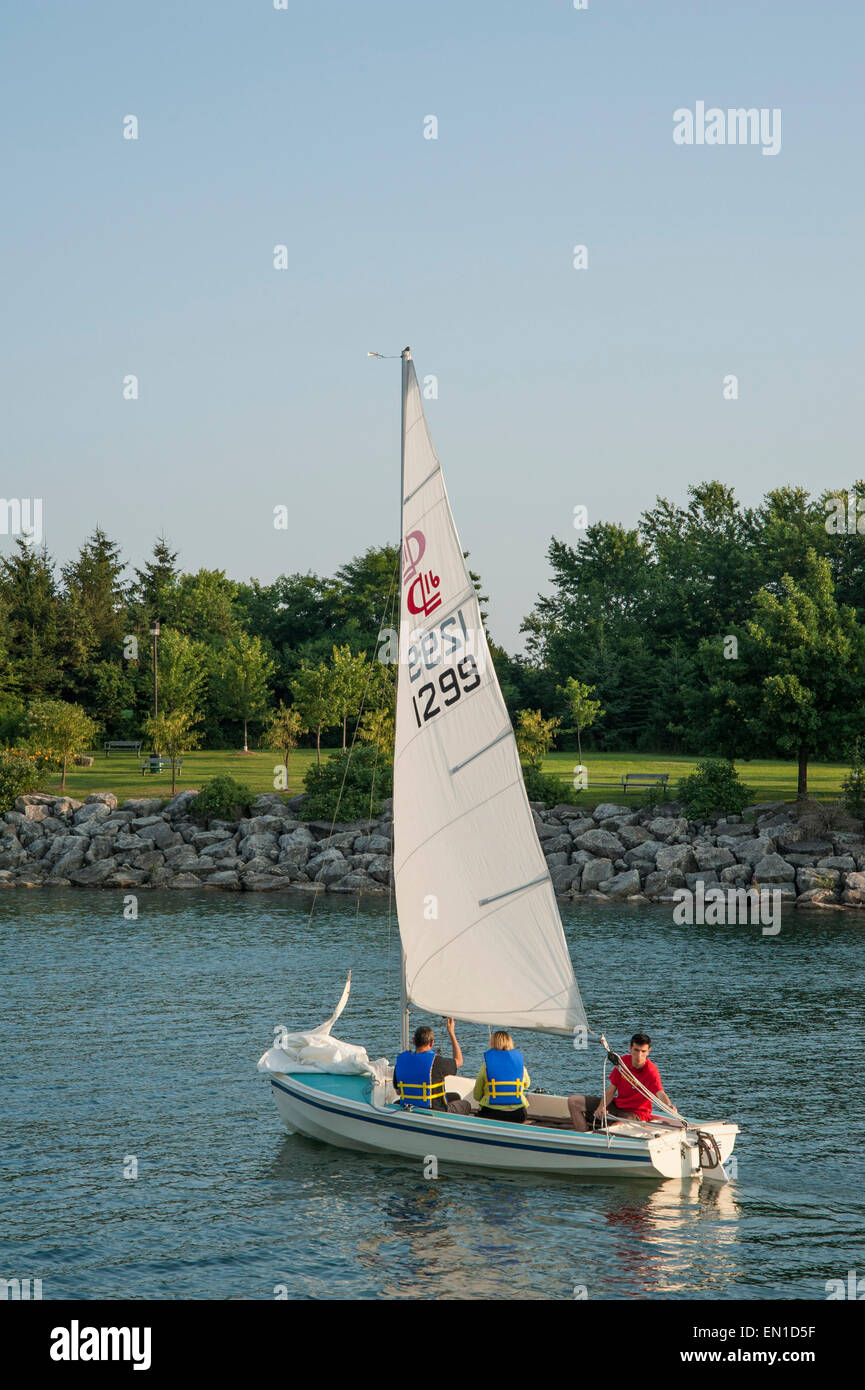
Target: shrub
pixel 21 772
pixel 714 789
pixel 547 789
pixel 853 785
pixel 222 798
pixel 368 778
pixel 817 818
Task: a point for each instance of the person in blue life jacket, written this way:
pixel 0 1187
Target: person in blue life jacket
pixel 502 1081
pixel 419 1076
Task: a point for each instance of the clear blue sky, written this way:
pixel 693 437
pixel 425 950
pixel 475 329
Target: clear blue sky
pixel 556 386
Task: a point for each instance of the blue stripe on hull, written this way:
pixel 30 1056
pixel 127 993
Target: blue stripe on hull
pixel 466 1138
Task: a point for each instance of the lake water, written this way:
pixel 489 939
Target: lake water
pixel 140 1038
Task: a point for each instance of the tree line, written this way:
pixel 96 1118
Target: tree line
pixel 710 627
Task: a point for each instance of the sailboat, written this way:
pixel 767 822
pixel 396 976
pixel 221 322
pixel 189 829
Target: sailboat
pixel 482 938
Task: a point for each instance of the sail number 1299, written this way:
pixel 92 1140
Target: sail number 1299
pixel 450 685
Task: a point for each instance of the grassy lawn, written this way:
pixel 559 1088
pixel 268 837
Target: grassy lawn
pixel 119 773
pixel 770 780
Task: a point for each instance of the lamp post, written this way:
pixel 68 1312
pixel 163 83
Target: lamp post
pixel 154 633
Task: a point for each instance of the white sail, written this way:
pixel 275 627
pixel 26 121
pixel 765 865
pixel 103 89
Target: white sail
pixel 480 927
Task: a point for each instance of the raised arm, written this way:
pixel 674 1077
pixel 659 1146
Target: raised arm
pixel 458 1052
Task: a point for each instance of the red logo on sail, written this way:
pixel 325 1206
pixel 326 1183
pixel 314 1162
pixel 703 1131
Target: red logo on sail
pixel 421 596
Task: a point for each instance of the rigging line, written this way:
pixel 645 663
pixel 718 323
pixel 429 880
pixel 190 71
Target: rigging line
pixel 392 599
pixel 391 875
pixel 351 746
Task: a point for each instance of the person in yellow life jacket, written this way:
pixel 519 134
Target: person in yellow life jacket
pixel 502 1081
pixel 419 1076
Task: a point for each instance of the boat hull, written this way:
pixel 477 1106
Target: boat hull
pixel 343 1111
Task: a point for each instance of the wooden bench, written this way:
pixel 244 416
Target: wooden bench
pixel 639 779
pixel 124 745
pixel 155 764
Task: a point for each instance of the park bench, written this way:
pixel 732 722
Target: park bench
pixel 630 780
pixel 124 745
pixel 155 764
pixel 642 779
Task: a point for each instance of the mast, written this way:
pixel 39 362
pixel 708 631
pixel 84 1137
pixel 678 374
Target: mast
pixel 403 993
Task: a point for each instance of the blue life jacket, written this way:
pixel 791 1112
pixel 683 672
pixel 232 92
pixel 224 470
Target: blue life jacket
pixel 412 1077
pixel 504 1076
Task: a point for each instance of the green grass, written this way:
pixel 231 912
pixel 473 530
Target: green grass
pixel 119 773
pixel 770 780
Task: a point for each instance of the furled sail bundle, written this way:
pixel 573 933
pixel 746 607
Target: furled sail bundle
pixel 480 926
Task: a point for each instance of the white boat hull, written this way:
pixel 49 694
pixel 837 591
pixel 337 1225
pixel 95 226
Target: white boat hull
pixel 360 1118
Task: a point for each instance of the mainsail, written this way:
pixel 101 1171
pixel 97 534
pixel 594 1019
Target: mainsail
pixel 480 927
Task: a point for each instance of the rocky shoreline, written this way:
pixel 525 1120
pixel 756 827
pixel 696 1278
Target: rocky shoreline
pixel 611 854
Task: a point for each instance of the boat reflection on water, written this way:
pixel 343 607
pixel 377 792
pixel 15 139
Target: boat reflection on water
pixel 678 1238
pixel 462 1238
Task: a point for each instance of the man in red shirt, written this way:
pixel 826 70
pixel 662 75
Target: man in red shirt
pixel 623 1101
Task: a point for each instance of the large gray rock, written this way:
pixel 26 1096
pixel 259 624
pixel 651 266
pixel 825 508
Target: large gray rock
pixel 264 825
pixel 750 851
pixel 142 805
pixel 854 890
pixel 184 880
pixel 73 859
pixel 179 858
pixel 708 878
pixel 566 877
pixel 102 798
pixel 557 861
pixel 127 842
pixel 818 897
pixel 101 847
pixel 656 884
pixel 845 863
pixel 12 852
pixel 621 885
pixel 667 827
pixel 710 857
pixel 736 876
pixel 607 809
pixel 147 859
pixel 293 858
pixel 301 837
pixel 125 878
pixel 369 844
pixel 202 840
pixel 794 845
pixel 644 855
pixel 218 849
pixel 825 879
pixel 342 840
pixel 633 835
pixel 261 846
pixel 356 882
pixel 92 875
pixel 263 883
pixel 182 805
pixel 601 842
pixel 580 826
pixel 560 844
pixel 773 869
pixel 164 837
pixel 676 858
pixel 595 873
pixel 92 811
pixel 224 878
